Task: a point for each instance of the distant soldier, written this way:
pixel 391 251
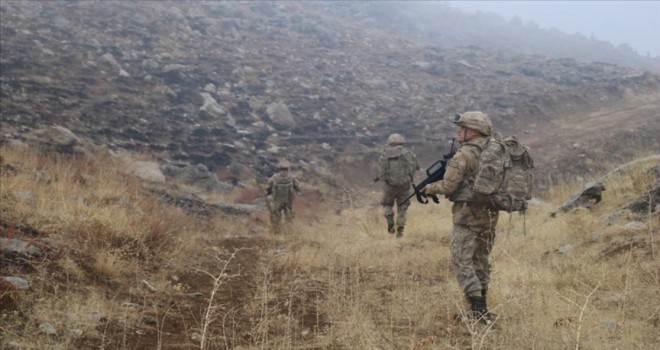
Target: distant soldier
pixel 283 187
pixel 473 233
pixel 396 167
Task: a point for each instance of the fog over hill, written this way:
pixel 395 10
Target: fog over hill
pixel 238 85
pixel 440 23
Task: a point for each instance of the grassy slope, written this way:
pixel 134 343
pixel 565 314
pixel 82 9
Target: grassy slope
pixel 337 281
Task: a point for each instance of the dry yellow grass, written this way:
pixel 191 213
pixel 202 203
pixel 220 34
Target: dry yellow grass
pixel 336 281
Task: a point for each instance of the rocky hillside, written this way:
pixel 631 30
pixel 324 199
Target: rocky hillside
pixel 237 85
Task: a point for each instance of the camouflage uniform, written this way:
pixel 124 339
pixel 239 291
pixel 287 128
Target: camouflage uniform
pixel 396 193
pixel 473 233
pixel 282 186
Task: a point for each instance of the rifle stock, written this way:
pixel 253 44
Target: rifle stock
pixel 435 173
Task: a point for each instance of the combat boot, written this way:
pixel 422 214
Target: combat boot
pixel 399 231
pixel 479 309
pixel 484 293
pixel 390 223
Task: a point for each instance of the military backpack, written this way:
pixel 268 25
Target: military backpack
pixel 397 167
pixel 504 179
pixel 283 191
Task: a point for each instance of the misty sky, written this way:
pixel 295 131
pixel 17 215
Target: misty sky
pixel 633 22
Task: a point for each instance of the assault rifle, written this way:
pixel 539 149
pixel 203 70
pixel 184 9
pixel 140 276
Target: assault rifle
pixel 435 172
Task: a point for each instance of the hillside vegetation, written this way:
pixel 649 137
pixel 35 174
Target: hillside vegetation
pixel 120 268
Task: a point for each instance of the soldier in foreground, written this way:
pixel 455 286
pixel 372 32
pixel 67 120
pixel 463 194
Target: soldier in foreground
pixel 474 224
pixel 283 186
pixel 396 167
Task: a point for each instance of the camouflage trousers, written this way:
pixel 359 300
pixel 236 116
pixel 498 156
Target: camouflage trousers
pixel 394 195
pixel 276 216
pixel 469 255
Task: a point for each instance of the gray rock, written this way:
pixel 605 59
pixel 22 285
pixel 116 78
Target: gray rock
pixel 25 196
pixel 146 319
pixel 149 287
pixel 47 329
pixel 213 108
pixel 17 282
pixel 147 171
pixel 564 248
pixel 42 176
pixel 610 325
pixel 19 247
pixel 280 115
pixel 97 317
pixel 636 226
pixel 57 138
pixel 587 197
pixel 76 333
pixel 237 209
pixel 196 175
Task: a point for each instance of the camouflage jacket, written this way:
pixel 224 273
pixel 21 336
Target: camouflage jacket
pixel 458 184
pixel 461 171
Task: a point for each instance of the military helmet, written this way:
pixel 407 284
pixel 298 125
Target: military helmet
pixel 396 139
pixel 474 120
pixel 283 165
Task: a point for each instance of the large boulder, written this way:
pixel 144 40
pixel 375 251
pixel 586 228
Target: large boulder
pixel 195 175
pixel 587 197
pixel 280 116
pixel 149 171
pixel 54 138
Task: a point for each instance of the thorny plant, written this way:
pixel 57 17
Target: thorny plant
pixel 218 281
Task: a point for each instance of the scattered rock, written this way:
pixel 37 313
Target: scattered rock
pixel 25 197
pixel 149 287
pixel 48 329
pixel 196 175
pixel 587 197
pixel 76 333
pixel 150 320
pixel 280 116
pixel 17 282
pixel 149 171
pixel 236 209
pixel 636 226
pixel 97 317
pixel 42 176
pixel 20 248
pixel 56 138
pixel 564 249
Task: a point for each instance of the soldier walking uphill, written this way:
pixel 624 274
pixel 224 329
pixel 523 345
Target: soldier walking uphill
pixel 396 167
pixel 283 186
pixel 474 224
